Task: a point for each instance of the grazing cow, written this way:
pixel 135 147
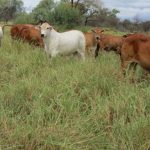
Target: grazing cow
pixel 32 36
pixel 28 33
pixel 62 43
pixel 1 33
pixel 136 50
pixel 92 40
pixel 108 42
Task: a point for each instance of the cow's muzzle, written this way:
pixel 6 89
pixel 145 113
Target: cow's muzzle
pixel 42 35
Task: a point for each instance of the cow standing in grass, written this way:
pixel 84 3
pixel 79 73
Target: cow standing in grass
pixel 108 42
pixel 32 36
pixel 28 33
pixel 136 50
pixel 62 43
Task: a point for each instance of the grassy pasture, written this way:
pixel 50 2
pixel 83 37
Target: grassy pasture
pixel 66 104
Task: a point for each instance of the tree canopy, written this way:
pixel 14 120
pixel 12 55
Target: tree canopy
pixel 9 8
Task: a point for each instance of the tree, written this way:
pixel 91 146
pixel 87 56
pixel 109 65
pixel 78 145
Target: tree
pixel 136 19
pixel 87 8
pixel 44 10
pixel 9 9
pixel 145 25
pixel 66 15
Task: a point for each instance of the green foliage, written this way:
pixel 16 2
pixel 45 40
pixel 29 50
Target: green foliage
pixel 3 2
pixel 44 10
pixel 59 14
pixel 66 104
pixel 24 18
pixel 9 9
pixel 65 14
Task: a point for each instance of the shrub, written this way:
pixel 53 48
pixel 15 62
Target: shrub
pixel 24 18
pixel 65 14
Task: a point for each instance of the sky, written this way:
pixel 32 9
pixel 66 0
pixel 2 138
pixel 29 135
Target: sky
pixel 128 8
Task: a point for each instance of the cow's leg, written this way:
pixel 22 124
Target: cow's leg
pixel 124 65
pixel 82 54
pixel 97 50
pixel 53 53
pixel 145 74
pixel 0 42
pixel 132 67
pixel 88 51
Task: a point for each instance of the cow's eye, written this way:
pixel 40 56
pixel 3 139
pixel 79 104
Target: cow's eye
pixel 48 28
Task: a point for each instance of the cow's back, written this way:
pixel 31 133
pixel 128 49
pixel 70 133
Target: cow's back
pixel 17 29
pixel 28 33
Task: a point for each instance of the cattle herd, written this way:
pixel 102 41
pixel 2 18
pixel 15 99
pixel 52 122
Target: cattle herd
pixel 133 48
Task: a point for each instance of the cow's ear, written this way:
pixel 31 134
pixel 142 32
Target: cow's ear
pixel 125 36
pixel 102 31
pixel 40 22
pixel 93 31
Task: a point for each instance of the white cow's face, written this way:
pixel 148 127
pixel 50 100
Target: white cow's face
pixel 45 29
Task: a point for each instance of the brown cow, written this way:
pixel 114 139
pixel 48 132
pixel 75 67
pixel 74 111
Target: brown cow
pixel 136 50
pixel 28 33
pixel 108 42
pixel 16 30
pixel 32 36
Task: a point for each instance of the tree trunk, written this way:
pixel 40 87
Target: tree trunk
pixel 72 3
pixel 86 20
pixel 77 3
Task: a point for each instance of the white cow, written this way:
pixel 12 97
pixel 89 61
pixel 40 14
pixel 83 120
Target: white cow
pixel 1 33
pixel 62 43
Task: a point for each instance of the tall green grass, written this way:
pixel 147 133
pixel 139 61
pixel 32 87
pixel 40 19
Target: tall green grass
pixel 67 104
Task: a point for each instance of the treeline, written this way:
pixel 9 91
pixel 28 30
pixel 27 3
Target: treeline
pixel 69 14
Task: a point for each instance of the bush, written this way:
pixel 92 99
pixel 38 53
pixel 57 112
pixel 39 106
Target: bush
pixel 44 10
pixel 24 18
pixel 65 14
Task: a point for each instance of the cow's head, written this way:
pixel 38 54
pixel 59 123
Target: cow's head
pixel 45 29
pixel 97 32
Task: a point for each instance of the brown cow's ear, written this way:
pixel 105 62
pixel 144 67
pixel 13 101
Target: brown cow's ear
pixel 93 31
pixel 103 31
pixel 125 36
